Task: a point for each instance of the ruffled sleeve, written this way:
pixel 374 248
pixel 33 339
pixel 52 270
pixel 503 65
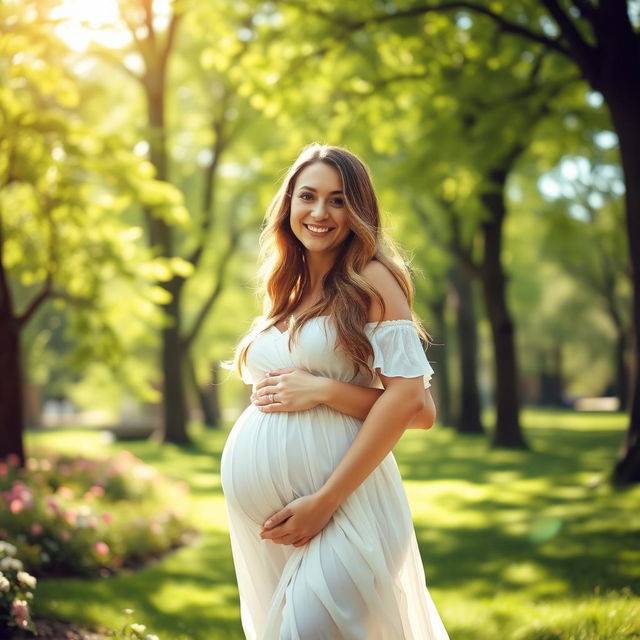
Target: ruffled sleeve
pixel 397 351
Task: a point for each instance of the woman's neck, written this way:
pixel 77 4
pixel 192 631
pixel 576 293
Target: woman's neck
pixel 318 265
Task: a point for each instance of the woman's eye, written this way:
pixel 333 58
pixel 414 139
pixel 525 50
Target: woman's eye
pixel 339 202
pixel 305 196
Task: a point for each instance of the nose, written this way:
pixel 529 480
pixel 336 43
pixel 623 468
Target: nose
pixel 318 211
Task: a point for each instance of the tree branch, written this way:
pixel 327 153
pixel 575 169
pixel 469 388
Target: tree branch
pixel 147 6
pixel 36 303
pixel 587 10
pixel 170 38
pixel 46 290
pixel 579 49
pixel 410 12
pixel 223 264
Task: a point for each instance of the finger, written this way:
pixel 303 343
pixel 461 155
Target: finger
pixel 301 542
pixel 278 518
pixel 288 539
pixel 275 533
pixel 267 389
pixel 277 372
pixel 265 382
pixel 276 407
pixel 265 393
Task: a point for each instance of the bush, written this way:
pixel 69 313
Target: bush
pixel 81 516
pixel 16 590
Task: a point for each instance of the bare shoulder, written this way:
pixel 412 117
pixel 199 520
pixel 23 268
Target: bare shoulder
pixel 385 283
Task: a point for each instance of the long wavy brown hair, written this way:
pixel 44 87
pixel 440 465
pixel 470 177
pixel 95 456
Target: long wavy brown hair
pixel 346 296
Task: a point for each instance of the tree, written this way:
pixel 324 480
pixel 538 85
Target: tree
pixel 585 235
pixel 600 39
pixel 61 238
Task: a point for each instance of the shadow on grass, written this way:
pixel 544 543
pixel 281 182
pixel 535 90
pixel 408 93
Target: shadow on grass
pixel 191 594
pixel 491 524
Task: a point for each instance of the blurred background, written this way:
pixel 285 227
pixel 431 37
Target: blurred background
pixel 140 143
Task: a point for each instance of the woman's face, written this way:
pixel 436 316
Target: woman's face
pixel 318 212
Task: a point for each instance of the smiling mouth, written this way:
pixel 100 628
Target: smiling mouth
pixel 318 229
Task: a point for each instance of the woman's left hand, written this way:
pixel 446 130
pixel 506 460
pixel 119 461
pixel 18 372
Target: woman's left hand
pixel 287 390
pixel 299 521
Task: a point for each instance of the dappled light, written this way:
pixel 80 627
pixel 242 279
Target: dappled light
pixel 141 144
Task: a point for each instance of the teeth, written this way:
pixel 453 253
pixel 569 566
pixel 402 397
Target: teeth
pixel 317 229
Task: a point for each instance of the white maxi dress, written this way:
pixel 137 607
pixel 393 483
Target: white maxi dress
pixel 361 577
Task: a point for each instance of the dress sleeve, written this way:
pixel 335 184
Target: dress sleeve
pixel 398 352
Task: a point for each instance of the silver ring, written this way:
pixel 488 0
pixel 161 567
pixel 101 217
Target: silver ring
pixel 272 397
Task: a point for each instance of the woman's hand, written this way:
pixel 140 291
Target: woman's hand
pixel 287 390
pixel 299 521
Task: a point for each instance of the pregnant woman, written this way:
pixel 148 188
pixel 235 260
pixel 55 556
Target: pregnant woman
pixel 321 533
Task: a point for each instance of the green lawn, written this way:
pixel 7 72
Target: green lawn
pixel 517 545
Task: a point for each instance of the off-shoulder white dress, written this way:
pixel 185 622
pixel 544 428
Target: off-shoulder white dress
pixel 361 577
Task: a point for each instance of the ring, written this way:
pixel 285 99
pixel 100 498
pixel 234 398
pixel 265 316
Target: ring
pixel 272 397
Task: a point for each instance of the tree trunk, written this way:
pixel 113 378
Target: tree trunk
pixel 208 399
pixel 11 390
pixel 551 379
pixel 161 237
pixel 622 371
pixel 174 401
pixel 439 354
pixel 508 432
pixel 11 398
pixel 468 419
pixel 213 396
pixel 624 104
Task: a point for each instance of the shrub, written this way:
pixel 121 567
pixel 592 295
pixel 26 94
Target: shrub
pixel 80 516
pixel 16 590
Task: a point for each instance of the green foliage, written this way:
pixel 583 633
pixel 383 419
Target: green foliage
pixel 16 591
pixel 79 516
pixel 132 630
pixel 497 563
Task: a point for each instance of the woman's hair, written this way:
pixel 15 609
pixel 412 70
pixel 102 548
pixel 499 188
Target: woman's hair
pixel 346 296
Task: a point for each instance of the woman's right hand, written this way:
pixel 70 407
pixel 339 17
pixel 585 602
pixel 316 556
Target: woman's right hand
pixel 285 390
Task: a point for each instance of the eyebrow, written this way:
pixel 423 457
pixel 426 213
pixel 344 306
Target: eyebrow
pixel 312 189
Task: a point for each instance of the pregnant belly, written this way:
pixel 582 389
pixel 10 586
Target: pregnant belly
pixel 270 459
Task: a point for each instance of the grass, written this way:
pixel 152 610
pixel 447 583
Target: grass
pixel 517 545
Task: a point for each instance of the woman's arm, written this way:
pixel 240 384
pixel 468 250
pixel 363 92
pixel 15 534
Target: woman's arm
pixel 357 401
pixel 304 517
pixel 298 390
pixel 401 400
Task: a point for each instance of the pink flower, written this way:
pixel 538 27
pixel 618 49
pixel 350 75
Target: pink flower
pixel 66 536
pixel 65 492
pixel 16 506
pixel 69 517
pixel 36 529
pixel 20 611
pixel 4 469
pixel 53 508
pixel 102 548
pixel 106 518
pixel 97 491
pixel 13 460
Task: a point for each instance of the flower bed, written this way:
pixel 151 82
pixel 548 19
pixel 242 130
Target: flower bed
pixel 16 590
pixel 81 516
